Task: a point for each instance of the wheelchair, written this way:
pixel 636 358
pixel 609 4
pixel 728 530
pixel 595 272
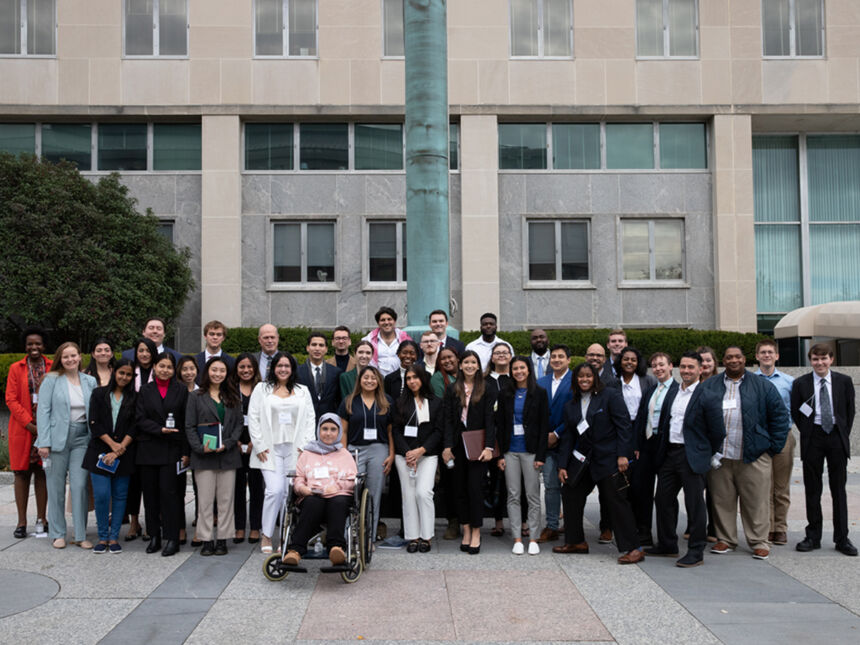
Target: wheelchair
pixel 357 533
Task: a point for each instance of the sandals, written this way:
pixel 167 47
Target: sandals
pixel 423 546
pixel 59 543
pixel 412 547
pixel 497 532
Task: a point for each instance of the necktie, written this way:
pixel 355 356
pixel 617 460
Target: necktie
pixel 649 428
pixel 540 367
pixel 826 408
pixel 318 381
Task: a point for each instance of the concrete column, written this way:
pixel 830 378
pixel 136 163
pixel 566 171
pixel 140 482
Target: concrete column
pixel 734 230
pixel 479 176
pixel 221 232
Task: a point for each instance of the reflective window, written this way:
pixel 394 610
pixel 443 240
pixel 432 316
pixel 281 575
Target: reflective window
pixel 667 28
pixel 392 27
pixel 541 28
pixel 18 138
pixel 268 146
pixel 31 32
pixel 303 252
pixel 793 27
pixel 629 145
pixel 557 250
pixel 386 251
pixel 69 141
pixel 122 146
pixel 652 250
pixel 522 146
pixel 156 28
pixel 378 146
pixel 683 145
pixel 575 146
pixel 323 146
pixel 285 27
pixel 176 146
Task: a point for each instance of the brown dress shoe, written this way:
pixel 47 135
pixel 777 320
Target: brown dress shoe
pixel 779 537
pixel 548 535
pixel 582 547
pixel 336 555
pixel 761 554
pixel 632 557
pixel 605 537
pixel 292 558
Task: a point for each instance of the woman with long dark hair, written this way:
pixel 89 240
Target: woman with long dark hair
pixel 245 377
pixel 447 370
pixel 497 377
pixel 102 361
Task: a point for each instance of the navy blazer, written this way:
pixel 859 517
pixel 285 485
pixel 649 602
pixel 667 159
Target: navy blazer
pixel 101 423
pixel 393 384
pixel 703 428
pixel 607 374
pixel 429 433
pixel 535 421
pixel 330 399
pixel 563 394
pixel 765 420
pixel 803 391
pixel 155 448
pixel 480 416
pixel 201 363
pixel 608 436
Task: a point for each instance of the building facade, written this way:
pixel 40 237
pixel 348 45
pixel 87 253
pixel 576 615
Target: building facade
pixel 691 163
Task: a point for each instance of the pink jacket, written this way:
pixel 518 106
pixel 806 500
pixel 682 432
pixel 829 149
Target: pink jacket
pixel 318 471
pixel 373 337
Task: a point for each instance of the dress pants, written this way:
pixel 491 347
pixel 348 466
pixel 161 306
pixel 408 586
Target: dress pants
pixel 520 474
pixel 748 484
pixel 215 486
pixel 252 478
pixel 68 460
pixel 675 474
pixel 780 497
pixel 283 458
pixel 642 478
pixel 161 500
pixel 616 504
pixel 447 482
pixel 109 495
pixel 823 447
pixel 469 478
pixel 552 490
pixel 315 510
pixel 369 462
pixel 417 493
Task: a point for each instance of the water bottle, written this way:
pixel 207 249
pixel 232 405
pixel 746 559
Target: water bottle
pixel 318 547
pixel 171 422
pixel 450 463
pixel 46 463
pixel 413 472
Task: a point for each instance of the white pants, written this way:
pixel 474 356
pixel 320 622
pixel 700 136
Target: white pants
pixel 520 469
pixel 419 513
pixel 283 457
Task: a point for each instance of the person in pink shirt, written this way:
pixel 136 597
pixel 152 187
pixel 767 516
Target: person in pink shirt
pixel 325 480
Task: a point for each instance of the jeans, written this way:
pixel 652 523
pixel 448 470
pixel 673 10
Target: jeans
pixel 552 490
pixel 109 496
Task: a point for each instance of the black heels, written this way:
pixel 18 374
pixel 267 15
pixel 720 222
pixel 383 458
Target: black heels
pixel 171 547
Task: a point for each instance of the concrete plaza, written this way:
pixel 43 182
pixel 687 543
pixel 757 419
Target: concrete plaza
pixel 74 596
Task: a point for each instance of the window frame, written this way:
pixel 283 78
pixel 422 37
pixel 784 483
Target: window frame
pixel 155 36
pixel 382 285
pixel 792 34
pixel 23 29
pixel 285 34
pixel 303 285
pixel 540 55
pixel 386 56
pixel 667 47
pixel 558 283
pixel 652 282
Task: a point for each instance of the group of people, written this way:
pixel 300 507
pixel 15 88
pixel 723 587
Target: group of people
pixel 443 422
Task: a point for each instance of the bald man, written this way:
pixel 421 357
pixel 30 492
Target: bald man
pixel 596 355
pixel 268 339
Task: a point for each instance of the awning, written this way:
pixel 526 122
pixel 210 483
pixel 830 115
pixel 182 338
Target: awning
pixel 829 320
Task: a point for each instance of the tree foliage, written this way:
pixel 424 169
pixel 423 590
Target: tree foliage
pixel 78 258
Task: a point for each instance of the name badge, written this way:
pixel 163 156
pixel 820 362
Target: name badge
pixel 806 409
pixel 285 418
pixel 245 419
pixel 409 431
pixel 35 397
pixel 321 472
pixel 579 455
pixel 370 434
pixel 582 426
pixel 730 404
pixel 518 429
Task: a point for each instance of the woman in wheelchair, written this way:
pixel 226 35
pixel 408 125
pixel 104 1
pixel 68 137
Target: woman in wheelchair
pixel 324 482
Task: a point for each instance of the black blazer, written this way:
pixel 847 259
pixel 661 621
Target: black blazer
pixel 641 421
pixel 330 399
pixel 101 423
pixel 153 447
pixel 608 437
pixel 454 344
pixel 201 363
pixel 201 409
pixel 393 384
pixel 703 428
pixel 607 374
pixel 429 433
pixel 479 417
pixel 535 421
pixel 803 391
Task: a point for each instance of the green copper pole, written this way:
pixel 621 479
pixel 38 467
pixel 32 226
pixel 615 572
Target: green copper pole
pixel 426 50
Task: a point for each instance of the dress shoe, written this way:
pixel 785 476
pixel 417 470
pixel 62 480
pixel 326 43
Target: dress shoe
pixel 171 547
pixel 292 558
pixel 690 560
pixel 221 547
pixel 662 552
pixel 846 547
pixel 548 535
pixel 423 546
pixel 453 530
pixel 412 547
pixel 474 550
pixel 208 548
pixel 778 537
pixel 605 537
pixel 336 555
pixel 464 548
pixel 632 557
pixel 154 545
pixel 808 544
pixel 20 532
pixel 582 547
pixel 721 548
pixel 761 554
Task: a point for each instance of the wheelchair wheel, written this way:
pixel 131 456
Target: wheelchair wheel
pixel 353 574
pixel 365 529
pixel 272 568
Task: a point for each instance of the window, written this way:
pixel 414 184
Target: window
pixel 165 227
pixel 285 28
pixel 386 244
pixel 18 138
pixel 667 28
pixel 652 250
pixel 682 145
pixel 68 141
pixel 28 27
pixel 176 146
pixel 522 146
pixel 793 27
pixel 557 250
pixel 541 29
pixel 303 252
pixel 156 28
pixel 392 27
pixel 122 146
pixel 629 145
pixel 378 146
pixel 575 146
pixel 454 146
pixel 268 146
pixel 324 146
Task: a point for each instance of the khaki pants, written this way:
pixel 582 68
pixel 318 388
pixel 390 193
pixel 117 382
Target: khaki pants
pixel 750 484
pixel 780 498
pixel 212 486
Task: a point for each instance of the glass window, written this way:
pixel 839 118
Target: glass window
pixel 682 145
pixel 165 227
pixel 386 251
pixel 30 34
pixel 777 268
pixel 629 145
pixel 172 28
pixel 793 27
pixel 320 252
pixel 269 27
pixel 557 250
pixel 176 146
pixel 323 146
pixel 522 146
pixel 268 146
pixel 776 180
pixel 156 28
pixel 833 163
pixel 653 250
pixel 392 27
pixel 541 28
pixel 285 27
pixel 378 146
pixel 575 146
pixel 69 141
pixel 303 252
pixel 667 28
pixel 122 146
pixel 454 146
pixel 18 138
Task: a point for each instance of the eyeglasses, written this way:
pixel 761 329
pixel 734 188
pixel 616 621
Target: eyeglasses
pixel 501 353
pixel 429 342
pixel 595 355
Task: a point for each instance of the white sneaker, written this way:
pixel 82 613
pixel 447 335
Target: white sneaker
pixel 518 548
pixel 534 548
pixel 40 526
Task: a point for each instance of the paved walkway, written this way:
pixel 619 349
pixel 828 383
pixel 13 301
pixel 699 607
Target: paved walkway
pixel 73 596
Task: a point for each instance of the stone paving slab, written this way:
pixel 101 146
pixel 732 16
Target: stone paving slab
pixel 66 620
pixel 800 631
pixel 206 577
pixel 159 620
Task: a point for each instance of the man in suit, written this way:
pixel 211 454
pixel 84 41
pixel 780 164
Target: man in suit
pixel 321 378
pixel 439 324
pixel 822 406
pixel 341 341
pixel 756 423
pixel 540 353
pixel 596 355
pixel 690 431
pixel 616 341
pixel 556 382
pixel 154 329
pixel 268 339
pixel 428 350
pixel 214 333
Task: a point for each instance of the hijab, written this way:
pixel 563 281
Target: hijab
pixel 317 445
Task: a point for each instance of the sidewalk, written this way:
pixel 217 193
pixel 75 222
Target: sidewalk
pixel 74 596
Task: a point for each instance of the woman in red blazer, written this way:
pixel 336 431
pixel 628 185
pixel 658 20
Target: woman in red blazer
pixel 22 391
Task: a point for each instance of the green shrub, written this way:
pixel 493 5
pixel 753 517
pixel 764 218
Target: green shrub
pixel 4 451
